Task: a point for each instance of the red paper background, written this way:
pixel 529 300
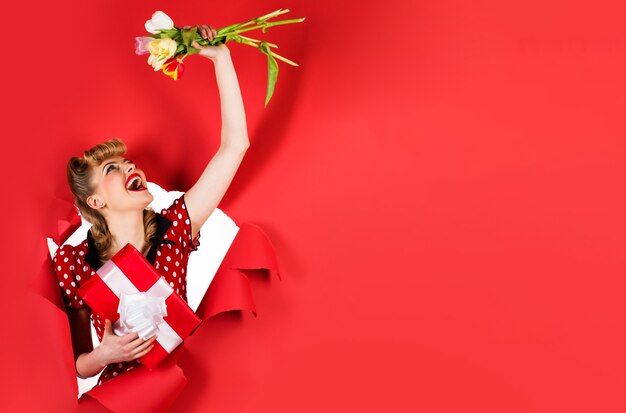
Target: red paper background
pixel 442 181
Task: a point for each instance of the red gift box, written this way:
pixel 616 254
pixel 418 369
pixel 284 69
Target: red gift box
pixel 128 272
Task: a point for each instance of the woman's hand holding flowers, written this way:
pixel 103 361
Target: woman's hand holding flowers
pixel 168 45
pixel 213 53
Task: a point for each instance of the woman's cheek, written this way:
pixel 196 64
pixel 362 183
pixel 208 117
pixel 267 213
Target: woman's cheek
pixel 111 183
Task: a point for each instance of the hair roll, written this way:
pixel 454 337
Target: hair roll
pixel 79 176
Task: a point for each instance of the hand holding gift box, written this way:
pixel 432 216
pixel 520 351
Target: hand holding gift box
pixel 128 291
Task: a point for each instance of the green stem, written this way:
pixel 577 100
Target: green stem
pixel 251 21
pixel 263 25
pixel 284 59
pixel 272 14
pixel 258 41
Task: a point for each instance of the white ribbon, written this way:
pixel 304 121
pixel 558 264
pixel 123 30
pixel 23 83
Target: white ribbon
pixel 146 313
pixel 140 313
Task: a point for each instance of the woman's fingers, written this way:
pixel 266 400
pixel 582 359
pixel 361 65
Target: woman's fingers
pixel 144 352
pixel 107 327
pixel 128 338
pixel 136 342
pixel 208 32
pixel 139 349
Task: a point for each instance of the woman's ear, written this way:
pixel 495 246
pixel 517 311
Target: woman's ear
pixel 95 202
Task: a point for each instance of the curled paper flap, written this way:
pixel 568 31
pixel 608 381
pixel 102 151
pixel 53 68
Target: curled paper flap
pixel 230 289
pixel 140 313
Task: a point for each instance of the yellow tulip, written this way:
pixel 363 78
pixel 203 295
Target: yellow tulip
pixel 160 51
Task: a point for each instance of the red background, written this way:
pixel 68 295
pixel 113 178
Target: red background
pixel 442 181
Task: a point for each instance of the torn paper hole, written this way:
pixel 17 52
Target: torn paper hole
pixel 217 235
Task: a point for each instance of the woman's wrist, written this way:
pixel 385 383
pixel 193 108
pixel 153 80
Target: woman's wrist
pixel 90 363
pixel 222 58
pixel 99 358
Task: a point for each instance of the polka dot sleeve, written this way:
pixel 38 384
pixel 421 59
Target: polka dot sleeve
pixel 180 231
pixel 70 272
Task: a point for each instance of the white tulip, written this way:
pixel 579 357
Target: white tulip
pixel 159 21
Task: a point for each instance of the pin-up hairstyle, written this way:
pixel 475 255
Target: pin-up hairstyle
pixel 79 176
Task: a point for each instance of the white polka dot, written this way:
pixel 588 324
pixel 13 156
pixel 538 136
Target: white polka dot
pixel 62 252
pixel 182 270
pixel 71 268
pixel 185 231
pixel 169 246
pixel 184 206
pixel 176 202
pixel 68 292
pixel 165 267
pixel 81 253
pixel 85 268
pixel 165 236
pixel 174 274
pixel 168 258
pixel 184 244
pixel 80 302
pixel 73 284
pixel 78 260
pixel 65 276
pixel 78 278
pixel 187 221
pixel 159 253
pixel 61 283
pixel 176 263
pixel 177 251
pixel 180 216
pixel 115 374
pixel 59 268
pixel 175 223
pixel 120 365
pixel 171 284
pixel 92 272
pixel 157 265
pixel 178 291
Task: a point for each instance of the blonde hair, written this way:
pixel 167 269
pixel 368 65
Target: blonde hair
pixel 79 174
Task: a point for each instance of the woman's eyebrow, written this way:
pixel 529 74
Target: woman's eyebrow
pixel 107 164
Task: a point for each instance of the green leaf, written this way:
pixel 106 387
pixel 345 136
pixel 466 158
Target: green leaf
pixel 189 35
pixel 168 33
pixel 272 71
pixel 192 50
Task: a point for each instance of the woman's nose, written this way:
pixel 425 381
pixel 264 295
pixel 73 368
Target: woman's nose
pixel 131 167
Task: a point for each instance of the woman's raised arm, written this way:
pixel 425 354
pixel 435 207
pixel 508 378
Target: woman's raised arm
pixel 205 195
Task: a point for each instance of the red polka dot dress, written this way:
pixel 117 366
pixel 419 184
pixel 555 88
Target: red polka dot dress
pixel 168 254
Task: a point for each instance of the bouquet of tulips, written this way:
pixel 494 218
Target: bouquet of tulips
pixel 168 45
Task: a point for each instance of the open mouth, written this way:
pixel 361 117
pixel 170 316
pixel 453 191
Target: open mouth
pixel 134 183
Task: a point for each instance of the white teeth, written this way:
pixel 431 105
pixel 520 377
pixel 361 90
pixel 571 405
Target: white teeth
pixel 132 182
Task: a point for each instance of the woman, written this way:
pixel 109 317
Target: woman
pixel 110 192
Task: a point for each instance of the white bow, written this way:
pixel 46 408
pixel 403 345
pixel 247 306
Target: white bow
pixel 140 313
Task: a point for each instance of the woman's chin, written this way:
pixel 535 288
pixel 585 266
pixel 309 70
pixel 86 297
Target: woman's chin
pixel 144 195
pixel 149 197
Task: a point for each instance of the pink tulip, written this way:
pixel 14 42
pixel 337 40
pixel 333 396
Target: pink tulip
pixel 141 44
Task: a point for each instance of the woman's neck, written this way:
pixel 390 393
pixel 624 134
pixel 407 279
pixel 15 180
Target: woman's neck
pixel 127 228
